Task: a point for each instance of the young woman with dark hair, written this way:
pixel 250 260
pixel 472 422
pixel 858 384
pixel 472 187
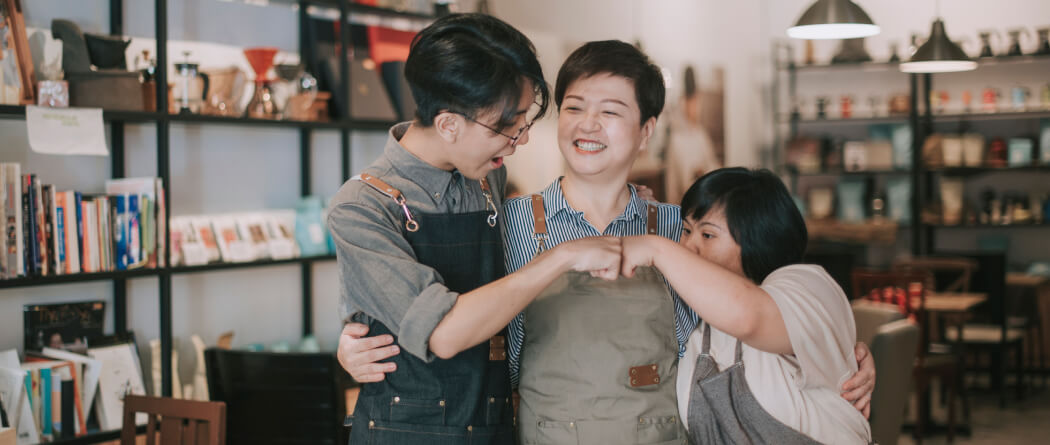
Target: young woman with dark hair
pixel 776 342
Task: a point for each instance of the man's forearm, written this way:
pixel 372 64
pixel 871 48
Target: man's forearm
pixel 481 313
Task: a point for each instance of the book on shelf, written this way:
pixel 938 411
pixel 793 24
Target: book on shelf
pixel 121 374
pixel 13 390
pixel 30 247
pixel 40 230
pixel 87 371
pixel 143 221
pixel 65 326
pixel 62 409
pixel 10 180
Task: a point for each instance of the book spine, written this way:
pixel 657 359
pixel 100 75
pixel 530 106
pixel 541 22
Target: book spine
pixel 28 226
pixel 101 214
pixel 60 234
pixel 69 409
pixel 162 225
pixel 134 234
pixel 49 229
pixel 45 396
pixel 13 224
pixel 85 215
pixel 41 231
pixel 79 202
pixel 121 231
pixel 72 242
pixel 56 404
pixel 5 269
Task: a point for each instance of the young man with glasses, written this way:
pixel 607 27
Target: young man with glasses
pixel 419 246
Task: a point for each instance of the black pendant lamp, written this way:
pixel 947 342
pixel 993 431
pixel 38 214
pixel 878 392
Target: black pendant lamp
pixel 833 19
pixel 938 55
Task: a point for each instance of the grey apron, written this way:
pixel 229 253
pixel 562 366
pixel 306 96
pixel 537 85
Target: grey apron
pixel 599 360
pixel 723 410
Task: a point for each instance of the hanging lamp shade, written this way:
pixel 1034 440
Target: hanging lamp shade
pixel 833 19
pixel 938 55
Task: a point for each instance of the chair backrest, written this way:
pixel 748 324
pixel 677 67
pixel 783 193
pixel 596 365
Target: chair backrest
pixel 891 287
pixel 278 398
pixel 182 422
pixel 949 273
pixel 893 348
pixel 870 316
pixel 897 287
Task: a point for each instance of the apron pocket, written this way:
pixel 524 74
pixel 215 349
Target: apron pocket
pixel 552 432
pixel 659 430
pixel 495 409
pixel 417 411
pixel 382 432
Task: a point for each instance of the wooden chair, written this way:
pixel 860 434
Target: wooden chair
pixel 182 422
pixel 992 333
pixel 930 362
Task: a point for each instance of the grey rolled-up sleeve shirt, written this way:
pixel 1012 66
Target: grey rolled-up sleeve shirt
pixel 380 277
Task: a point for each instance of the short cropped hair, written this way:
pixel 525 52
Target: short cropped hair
pixel 471 63
pixel 760 213
pixel 619 59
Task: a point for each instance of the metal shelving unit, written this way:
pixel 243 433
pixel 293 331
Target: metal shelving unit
pixel 922 125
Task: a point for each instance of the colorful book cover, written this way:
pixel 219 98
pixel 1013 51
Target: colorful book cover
pixel 41 231
pixel 65 326
pixel 134 232
pixel 120 231
pixel 72 242
pixel 79 200
pixel 58 232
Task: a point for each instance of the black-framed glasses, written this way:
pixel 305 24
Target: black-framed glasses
pixel 513 139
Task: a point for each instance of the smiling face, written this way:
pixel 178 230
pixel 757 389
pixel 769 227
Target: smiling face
pixel 710 238
pixel 479 149
pixel 598 130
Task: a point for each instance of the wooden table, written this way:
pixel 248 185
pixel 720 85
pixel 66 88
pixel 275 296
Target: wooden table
pixel 951 302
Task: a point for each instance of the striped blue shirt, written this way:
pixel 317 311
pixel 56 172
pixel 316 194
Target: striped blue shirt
pixel 566 224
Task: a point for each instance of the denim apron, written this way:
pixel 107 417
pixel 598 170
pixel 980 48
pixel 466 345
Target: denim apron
pixel 462 400
pixel 722 408
pixel 599 360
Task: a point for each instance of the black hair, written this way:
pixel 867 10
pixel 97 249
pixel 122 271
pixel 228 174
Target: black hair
pixel 471 63
pixel 619 59
pixel 760 213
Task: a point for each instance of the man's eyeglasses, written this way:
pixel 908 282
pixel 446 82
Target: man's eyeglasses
pixel 513 139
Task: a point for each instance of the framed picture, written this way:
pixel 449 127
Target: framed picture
pixel 17 79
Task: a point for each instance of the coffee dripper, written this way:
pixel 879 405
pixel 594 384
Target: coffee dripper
pixel 262 105
pixel 1015 41
pixel 1044 42
pixel 986 43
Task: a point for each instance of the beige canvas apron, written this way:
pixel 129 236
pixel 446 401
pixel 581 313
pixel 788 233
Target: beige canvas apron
pixel 599 360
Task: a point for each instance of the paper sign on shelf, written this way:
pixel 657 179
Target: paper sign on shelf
pixel 66 131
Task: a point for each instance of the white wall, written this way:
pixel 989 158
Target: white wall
pixel 674 33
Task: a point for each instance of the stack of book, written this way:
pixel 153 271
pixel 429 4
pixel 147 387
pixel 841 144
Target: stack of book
pixel 50 232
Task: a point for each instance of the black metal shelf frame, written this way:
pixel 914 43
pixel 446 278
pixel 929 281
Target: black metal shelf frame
pixel 149 117
pixel 152 272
